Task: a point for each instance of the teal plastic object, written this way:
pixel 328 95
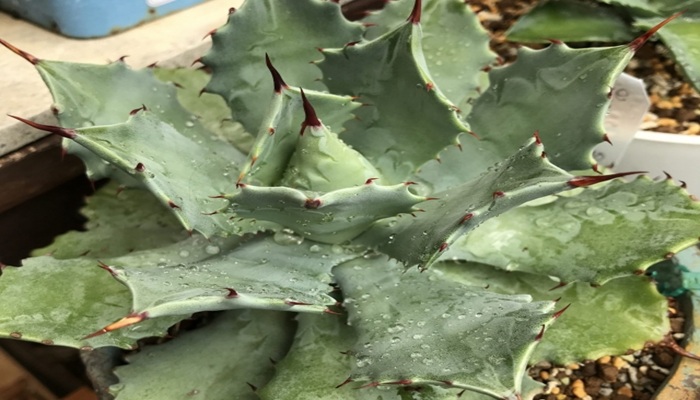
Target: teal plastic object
pixel 678 275
pixel 91 18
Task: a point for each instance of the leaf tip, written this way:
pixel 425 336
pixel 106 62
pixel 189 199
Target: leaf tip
pixel 540 334
pixel 414 18
pixel 20 52
pixel 583 181
pixel 345 382
pixel 276 77
pixel 310 119
pixel 637 43
pixel 56 130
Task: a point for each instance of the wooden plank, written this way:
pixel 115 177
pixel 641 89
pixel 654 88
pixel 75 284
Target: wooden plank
pixel 17 384
pixel 35 223
pixel 84 393
pixel 33 170
pixel 58 368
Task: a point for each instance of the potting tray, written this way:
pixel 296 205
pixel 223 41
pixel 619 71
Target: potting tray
pixel 91 18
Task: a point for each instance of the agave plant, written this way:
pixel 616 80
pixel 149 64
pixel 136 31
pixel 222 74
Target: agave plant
pixel 396 225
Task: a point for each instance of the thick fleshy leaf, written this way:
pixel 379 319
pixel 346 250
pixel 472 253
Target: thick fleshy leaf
pixel 542 91
pixel 635 312
pixel 281 29
pixel 660 8
pixel 319 350
pixel 60 301
pixel 646 5
pixel 668 7
pixel 455 45
pixel 68 299
pixel 396 136
pixel 525 176
pixel 578 237
pixel 210 109
pixel 322 162
pixel 223 360
pixel 280 131
pixel 281 273
pixel 571 21
pixel 151 151
pixel 332 217
pixel 420 328
pixel 119 222
pixel 88 95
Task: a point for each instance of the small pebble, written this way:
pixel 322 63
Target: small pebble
pixel 656 375
pixel 664 104
pixel 577 389
pixel 638 395
pixel 625 391
pixel 552 387
pixel 670 122
pixel 659 369
pixel 593 385
pixel 607 372
pixel 619 363
pixel 677 323
pixel 632 372
pixel 588 369
pixel 628 357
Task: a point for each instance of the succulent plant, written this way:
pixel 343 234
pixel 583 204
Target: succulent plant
pixel 396 225
pixel 616 21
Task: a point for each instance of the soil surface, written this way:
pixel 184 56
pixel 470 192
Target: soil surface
pixel 675 104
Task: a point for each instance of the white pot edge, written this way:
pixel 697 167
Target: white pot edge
pixel 659 153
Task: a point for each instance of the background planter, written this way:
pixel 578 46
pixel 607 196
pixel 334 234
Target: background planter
pixel 91 18
pixel 678 155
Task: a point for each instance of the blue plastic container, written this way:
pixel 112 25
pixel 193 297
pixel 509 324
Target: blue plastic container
pixel 91 18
